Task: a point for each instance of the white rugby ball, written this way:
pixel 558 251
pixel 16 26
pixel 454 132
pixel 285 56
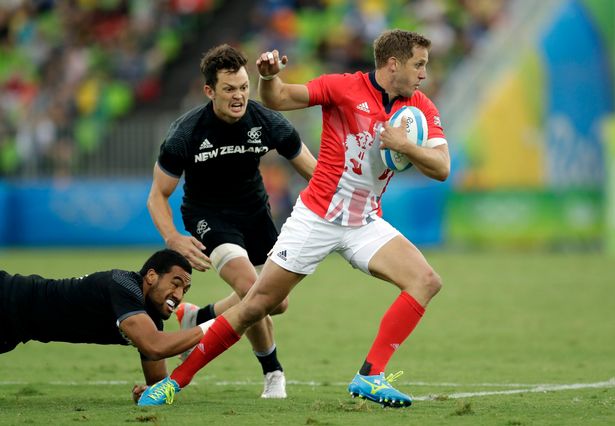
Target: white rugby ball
pixel 416 131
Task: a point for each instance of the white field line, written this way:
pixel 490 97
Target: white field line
pixel 536 389
pixel 290 382
pixel 519 387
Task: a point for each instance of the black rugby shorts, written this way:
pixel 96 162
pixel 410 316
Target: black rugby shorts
pixel 252 230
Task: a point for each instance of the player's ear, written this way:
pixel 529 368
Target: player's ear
pixel 151 277
pixel 209 91
pixel 392 63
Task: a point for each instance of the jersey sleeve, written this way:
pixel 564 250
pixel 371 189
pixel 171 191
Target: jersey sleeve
pixel 174 151
pixel 282 136
pixel 126 295
pixel 434 123
pixel 322 90
pixel 287 139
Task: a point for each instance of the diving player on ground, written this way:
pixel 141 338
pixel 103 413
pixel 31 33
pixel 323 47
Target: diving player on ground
pixel 113 307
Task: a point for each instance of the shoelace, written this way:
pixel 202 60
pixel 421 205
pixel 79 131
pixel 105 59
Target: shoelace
pixel 394 376
pixel 167 390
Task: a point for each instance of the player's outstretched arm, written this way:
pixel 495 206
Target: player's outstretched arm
pixel 159 208
pixel 274 93
pixel 154 371
pixel 157 345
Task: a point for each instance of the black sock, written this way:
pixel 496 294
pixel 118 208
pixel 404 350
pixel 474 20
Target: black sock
pixel 270 362
pixel 365 369
pixel 205 314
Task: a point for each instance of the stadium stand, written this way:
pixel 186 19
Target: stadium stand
pixel 85 85
pixel 70 68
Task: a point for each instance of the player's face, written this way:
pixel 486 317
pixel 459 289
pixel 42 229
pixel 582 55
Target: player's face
pixel 230 96
pixel 167 291
pixel 409 76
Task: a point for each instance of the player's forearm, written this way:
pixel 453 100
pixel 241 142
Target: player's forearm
pixel 280 96
pixel 154 371
pixel 167 344
pixel 162 215
pixel 270 92
pixel 432 162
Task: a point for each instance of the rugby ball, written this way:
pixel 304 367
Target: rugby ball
pixel 416 131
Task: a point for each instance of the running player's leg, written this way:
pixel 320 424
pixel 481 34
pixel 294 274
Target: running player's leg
pixel 259 235
pixel 402 264
pixel 390 256
pixel 270 289
pixel 215 309
pixel 234 242
pixel 241 275
pixel 304 242
pixel 222 305
pixel 255 235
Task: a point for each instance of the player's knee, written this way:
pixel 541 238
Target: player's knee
pixel 242 288
pixel 431 282
pixel 252 312
pixel 224 253
pixel 281 308
pixel 242 285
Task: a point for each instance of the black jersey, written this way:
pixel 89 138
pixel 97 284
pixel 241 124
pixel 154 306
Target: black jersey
pixel 76 310
pixel 220 160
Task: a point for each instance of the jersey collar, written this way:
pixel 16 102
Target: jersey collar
pixel 386 102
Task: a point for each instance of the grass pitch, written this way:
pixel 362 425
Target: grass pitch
pixel 512 339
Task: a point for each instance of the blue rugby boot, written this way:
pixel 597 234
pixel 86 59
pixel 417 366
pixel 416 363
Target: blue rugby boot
pixel 160 393
pixel 377 388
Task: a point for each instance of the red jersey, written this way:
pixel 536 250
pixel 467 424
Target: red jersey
pixel 350 177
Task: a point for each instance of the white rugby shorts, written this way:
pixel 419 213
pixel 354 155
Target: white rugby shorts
pixel 306 239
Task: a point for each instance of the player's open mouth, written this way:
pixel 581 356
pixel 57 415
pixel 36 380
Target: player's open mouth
pixel 171 304
pixel 237 106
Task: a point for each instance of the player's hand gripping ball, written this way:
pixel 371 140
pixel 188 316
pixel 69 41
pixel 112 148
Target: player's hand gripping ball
pixel 416 131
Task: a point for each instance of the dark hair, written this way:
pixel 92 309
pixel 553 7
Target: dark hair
pixel 162 261
pixel 223 57
pixel 398 44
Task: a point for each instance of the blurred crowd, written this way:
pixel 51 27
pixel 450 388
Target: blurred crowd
pixel 337 35
pixel 68 68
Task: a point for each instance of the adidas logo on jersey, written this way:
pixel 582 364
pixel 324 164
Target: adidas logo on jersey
pixel 363 106
pixel 282 255
pixel 205 144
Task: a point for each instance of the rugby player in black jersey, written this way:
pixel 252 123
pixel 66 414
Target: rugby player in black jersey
pixel 217 148
pixel 111 307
